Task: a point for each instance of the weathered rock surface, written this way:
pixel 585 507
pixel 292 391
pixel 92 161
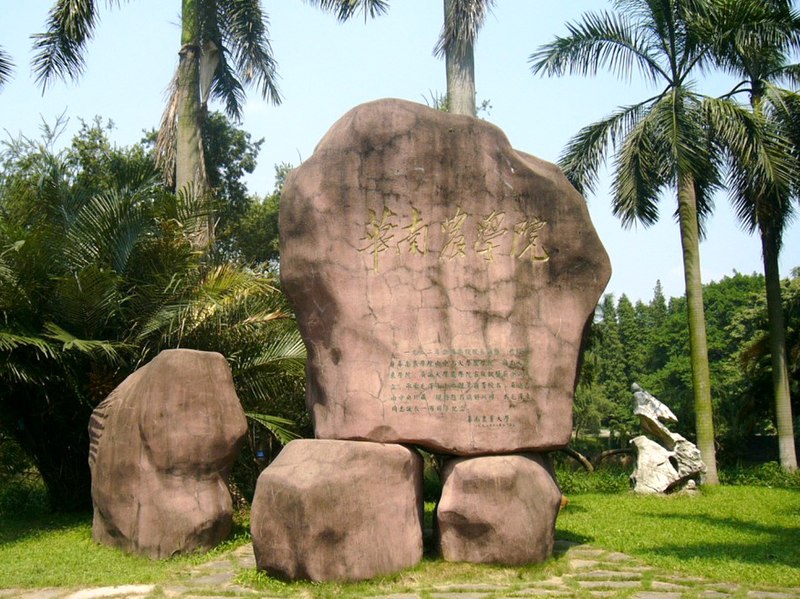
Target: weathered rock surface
pixel 161 446
pixel 442 282
pixel 656 468
pixel 670 461
pixel 498 509
pixel 338 510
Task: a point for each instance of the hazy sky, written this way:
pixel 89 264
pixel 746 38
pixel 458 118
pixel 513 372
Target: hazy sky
pixel 326 68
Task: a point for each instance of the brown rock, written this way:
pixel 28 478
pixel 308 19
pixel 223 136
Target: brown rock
pixel 498 509
pixel 338 510
pixel 162 444
pixel 442 282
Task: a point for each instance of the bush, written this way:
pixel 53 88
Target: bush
pixel 769 474
pixel 602 480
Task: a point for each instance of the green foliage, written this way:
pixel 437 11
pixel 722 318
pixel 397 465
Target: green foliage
pixel 769 474
pixel 603 480
pixel 656 345
pixel 99 275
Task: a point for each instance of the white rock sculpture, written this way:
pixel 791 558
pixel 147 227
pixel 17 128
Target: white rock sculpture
pixel 672 462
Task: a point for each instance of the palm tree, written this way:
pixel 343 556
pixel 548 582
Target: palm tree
pixel 660 143
pixel 97 275
pixel 462 21
pixel 763 35
pixel 224 48
pixel 6 67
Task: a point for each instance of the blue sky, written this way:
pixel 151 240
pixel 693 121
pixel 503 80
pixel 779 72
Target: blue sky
pixel 326 68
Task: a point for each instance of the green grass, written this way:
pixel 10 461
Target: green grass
pixel 748 535
pixel 742 534
pixel 57 550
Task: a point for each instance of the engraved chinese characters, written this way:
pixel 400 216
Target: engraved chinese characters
pixel 441 280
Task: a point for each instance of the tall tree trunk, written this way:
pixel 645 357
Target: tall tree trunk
pixel 698 346
pixel 777 348
pixel 190 176
pixel 770 249
pixel 460 67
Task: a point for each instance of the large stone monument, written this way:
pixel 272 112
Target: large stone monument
pixel 161 447
pixel 442 283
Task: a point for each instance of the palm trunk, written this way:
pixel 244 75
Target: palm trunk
pixel 698 346
pixel 777 347
pixel 770 249
pixel 189 169
pixel 460 67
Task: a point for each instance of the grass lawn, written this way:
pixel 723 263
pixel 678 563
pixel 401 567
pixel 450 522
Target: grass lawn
pixel 737 534
pixel 39 550
pixel 749 535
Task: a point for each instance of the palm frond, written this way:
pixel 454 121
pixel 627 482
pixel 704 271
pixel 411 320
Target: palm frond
pixel 761 160
pixel 461 27
pixel 109 226
pixel 166 141
pixel 109 349
pixel 586 152
pixel 280 427
pixel 641 172
pixel 244 46
pixel 59 50
pixel 346 9
pixel 6 67
pixel 600 40
pixel 10 341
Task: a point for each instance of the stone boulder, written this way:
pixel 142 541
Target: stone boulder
pixel 498 509
pixel 671 461
pixel 161 447
pixel 338 510
pixel 442 283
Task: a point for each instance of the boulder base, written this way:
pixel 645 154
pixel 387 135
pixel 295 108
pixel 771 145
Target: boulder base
pixel 161 447
pixel 498 509
pixel 338 510
pixel 442 282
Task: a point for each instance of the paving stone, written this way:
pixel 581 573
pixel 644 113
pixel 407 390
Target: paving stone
pixel 396 596
pixel 723 587
pixel 714 595
pixel 655 595
pixel 770 595
pixel 612 575
pixel 657 585
pixel 36 593
pixel 583 551
pixel 539 592
pixel 466 588
pixel 128 590
pixel 608 584
pixel 579 564
pixel 460 595
pixel 681 579
pixel 617 557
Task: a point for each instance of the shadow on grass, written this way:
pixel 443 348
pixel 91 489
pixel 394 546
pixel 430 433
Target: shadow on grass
pixel 18 527
pixel 774 544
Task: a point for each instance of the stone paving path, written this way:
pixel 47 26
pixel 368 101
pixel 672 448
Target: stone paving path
pixel 590 573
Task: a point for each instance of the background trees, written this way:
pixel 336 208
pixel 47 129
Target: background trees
pixel 659 144
pixel 97 275
pixel 744 415
pixel 757 52
pixel 224 48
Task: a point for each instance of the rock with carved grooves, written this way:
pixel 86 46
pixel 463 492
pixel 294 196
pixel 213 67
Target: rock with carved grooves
pixel 161 447
pixel 442 283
